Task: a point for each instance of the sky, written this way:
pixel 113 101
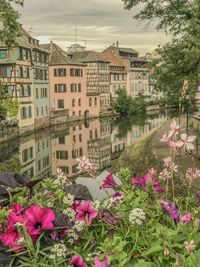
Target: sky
pixel 99 24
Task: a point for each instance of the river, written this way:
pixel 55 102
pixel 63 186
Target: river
pixel 101 140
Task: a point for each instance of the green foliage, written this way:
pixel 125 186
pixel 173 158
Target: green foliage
pixel 13 165
pixel 126 105
pixel 8 19
pixel 8 106
pixel 180 58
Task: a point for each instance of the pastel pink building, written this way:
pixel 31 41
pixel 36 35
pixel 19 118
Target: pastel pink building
pixel 68 92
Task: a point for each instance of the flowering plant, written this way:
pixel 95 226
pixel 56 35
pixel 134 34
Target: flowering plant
pixel 144 223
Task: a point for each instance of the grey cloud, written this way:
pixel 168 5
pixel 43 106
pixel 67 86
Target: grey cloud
pixel 99 22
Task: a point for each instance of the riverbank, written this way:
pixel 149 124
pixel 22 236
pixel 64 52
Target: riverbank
pixel 149 151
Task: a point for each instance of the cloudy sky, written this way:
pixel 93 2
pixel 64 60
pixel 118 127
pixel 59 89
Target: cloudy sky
pixel 99 24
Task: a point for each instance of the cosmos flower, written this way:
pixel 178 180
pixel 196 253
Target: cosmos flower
pixel 186 218
pixel 170 209
pixel 186 142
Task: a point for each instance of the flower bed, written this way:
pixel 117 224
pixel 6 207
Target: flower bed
pixel 142 224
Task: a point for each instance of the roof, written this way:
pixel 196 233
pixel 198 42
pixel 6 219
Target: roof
pixel 127 50
pixel 58 56
pixel 113 59
pixel 90 56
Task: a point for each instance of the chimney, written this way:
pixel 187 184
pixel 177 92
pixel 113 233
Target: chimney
pixel 117 44
pixel 51 45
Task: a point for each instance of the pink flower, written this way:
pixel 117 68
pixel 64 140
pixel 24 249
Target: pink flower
pixel 108 182
pixel 13 218
pixel 16 208
pixel 186 218
pixel 38 219
pixel 101 263
pixel 174 129
pixel 192 174
pixel 170 209
pixel 186 142
pixel 84 165
pixel 169 163
pixel 11 239
pixel 76 204
pixel 152 172
pixel 77 261
pixel 85 212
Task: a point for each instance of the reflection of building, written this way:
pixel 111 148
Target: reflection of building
pixel 91 140
pixel 118 144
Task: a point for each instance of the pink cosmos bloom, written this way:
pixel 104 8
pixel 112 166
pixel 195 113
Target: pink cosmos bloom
pixel 169 163
pixel 157 188
pixel 172 144
pixel 192 174
pixel 101 263
pixel 164 138
pixel 186 142
pixel 152 172
pixel 186 218
pixel 174 129
pixel 164 174
pixel 11 239
pixel 84 165
pixel 85 212
pixel 37 219
pixel 108 182
pixel 77 261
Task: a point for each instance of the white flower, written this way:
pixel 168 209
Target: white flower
pixel 68 199
pixel 186 142
pixel 70 213
pixel 58 250
pixel 137 216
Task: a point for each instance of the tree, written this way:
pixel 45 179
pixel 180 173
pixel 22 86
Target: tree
pixel 126 105
pixel 10 27
pixel 180 58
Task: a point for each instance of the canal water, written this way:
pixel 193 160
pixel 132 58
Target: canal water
pixel 101 140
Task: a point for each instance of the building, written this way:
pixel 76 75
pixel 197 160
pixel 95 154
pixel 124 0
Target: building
pixel 24 74
pixel 118 74
pixel 98 77
pixel 137 82
pixel 68 91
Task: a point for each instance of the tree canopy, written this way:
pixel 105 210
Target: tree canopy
pixel 180 58
pixel 9 25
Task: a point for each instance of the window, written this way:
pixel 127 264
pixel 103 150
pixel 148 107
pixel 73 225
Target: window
pixel 79 102
pixel 80 152
pixel 42 113
pixel 95 101
pixel 29 112
pixel 21 72
pixel 79 113
pixel 25 91
pixel 27 72
pixel 46 109
pixel 73 154
pixel 61 140
pixel 76 72
pixel 74 138
pixel 45 74
pixel 90 102
pixel 36 90
pixel 23 113
pixel 39 165
pixel 74 168
pixel 73 87
pixel 5 71
pixel 73 102
pixel 91 134
pixel 60 88
pixel 64 169
pixel 61 154
pixel 80 137
pixel 21 56
pixel 27 54
pixel 37 112
pixel 60 103
pixel 3 54
pixel 73 113
pixel 96 133
pixel 60 72
pixel 79 87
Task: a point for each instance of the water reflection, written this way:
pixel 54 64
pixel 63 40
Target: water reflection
pixel 41 153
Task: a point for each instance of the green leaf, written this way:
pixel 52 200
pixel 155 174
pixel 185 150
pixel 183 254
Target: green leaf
pixel 152 250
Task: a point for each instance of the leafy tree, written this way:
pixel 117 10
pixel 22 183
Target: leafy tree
pixel 180 58
pixel 126 105
pixel 10 27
